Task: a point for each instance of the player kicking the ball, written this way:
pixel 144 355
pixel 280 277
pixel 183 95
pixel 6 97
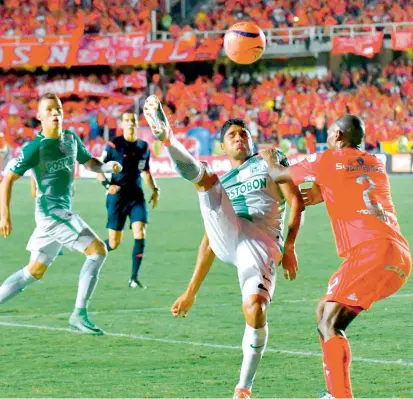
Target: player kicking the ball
pixel 243 215
pixel 355 188
pixel 52 156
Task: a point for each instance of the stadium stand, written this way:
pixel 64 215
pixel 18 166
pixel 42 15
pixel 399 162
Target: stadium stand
pixel 276 106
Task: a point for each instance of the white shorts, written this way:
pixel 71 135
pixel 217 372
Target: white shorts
pixel 62 228
pixel 240 242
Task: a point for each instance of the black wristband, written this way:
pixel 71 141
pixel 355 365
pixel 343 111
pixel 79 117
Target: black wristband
pixel 157 189
pixel 106 183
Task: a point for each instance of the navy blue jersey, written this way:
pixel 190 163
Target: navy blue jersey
pixel 134 158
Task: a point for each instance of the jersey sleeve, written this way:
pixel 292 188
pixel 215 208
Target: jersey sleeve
pixel 28 159
pixel 83 155
pixel 307 170
pixel 108 152
pixel 147 158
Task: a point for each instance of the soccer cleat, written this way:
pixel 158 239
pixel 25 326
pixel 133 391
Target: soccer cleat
pixel 135 283
pixel 326 395
pixel 82 323
pixel 157 120
pixel 242 393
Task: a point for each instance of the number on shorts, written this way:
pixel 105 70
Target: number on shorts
pixel 377 207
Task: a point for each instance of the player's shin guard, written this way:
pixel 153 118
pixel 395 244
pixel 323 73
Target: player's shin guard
pixel 337 360
pixel 253 347
pixel 15 284
pixel 88 279
pixel 137 257
pixel 185 164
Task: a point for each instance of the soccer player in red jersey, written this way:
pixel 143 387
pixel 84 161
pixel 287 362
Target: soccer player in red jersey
pixel 377 262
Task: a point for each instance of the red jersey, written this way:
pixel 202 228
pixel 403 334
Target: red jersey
pixel 356 191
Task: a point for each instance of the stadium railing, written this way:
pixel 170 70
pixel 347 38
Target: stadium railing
pixel 277 35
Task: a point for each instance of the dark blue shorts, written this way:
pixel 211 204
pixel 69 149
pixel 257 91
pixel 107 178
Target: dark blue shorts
pixel 120 208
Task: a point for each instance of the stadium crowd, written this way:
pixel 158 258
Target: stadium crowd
pixel 49 17
pixel 220 14
pixel 275 105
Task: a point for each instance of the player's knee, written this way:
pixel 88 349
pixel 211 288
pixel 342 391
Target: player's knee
pixel 97 247
pixel 327 326
pixel 37 269
pixel 255 311
pixel 319 311
pixel 140 235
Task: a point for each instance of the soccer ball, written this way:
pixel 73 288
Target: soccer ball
pixel 244 43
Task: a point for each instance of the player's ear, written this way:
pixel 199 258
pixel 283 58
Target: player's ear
pixel 339 135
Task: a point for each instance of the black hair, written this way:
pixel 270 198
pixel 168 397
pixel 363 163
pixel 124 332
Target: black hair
pixel 230 122
pixel 128 111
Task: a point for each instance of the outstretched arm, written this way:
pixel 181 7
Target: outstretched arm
pixel 5 197
pixel 295 221
pixel 279 174
pixel 203 265
pixel 97 166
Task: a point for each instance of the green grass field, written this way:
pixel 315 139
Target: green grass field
pixel 148 353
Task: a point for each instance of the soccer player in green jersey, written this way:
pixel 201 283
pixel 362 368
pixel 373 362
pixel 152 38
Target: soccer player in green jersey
pixel 52 155
pixel 243 214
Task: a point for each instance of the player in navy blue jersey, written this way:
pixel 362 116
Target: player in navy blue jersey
pixel 124 191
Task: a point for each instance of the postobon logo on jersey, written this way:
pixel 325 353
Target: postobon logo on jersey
pixel 59 164
pixel 256 184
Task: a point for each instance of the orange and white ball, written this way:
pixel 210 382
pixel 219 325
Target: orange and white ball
pixel 244 43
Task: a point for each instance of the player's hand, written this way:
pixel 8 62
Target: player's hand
pixel 154 198
pixel 312 196
pixel 113 189
pixel 182 305
pixel 5 226
pixel 290 263
pixel 268 156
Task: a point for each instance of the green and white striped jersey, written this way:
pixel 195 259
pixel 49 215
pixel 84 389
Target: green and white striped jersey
pixel 53 163
pixel 254 196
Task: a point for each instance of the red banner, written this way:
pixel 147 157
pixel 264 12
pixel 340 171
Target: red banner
pixel 40 52
pixel 122 49
pixel 134 80
pixel 111 49
pixel 81 88
pixel 366 46
pixel 402 40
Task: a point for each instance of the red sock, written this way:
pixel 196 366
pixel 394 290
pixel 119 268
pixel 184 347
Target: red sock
pixel 326 372
pixel 337 360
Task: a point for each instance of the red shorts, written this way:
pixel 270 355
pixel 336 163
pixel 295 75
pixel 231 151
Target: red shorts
pixel 370 272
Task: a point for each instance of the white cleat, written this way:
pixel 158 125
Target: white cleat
pixel 157 120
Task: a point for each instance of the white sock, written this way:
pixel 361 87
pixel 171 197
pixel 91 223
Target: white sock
pixel 253 347
pixel 15 284
pixel 185 164
pixel 88 279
